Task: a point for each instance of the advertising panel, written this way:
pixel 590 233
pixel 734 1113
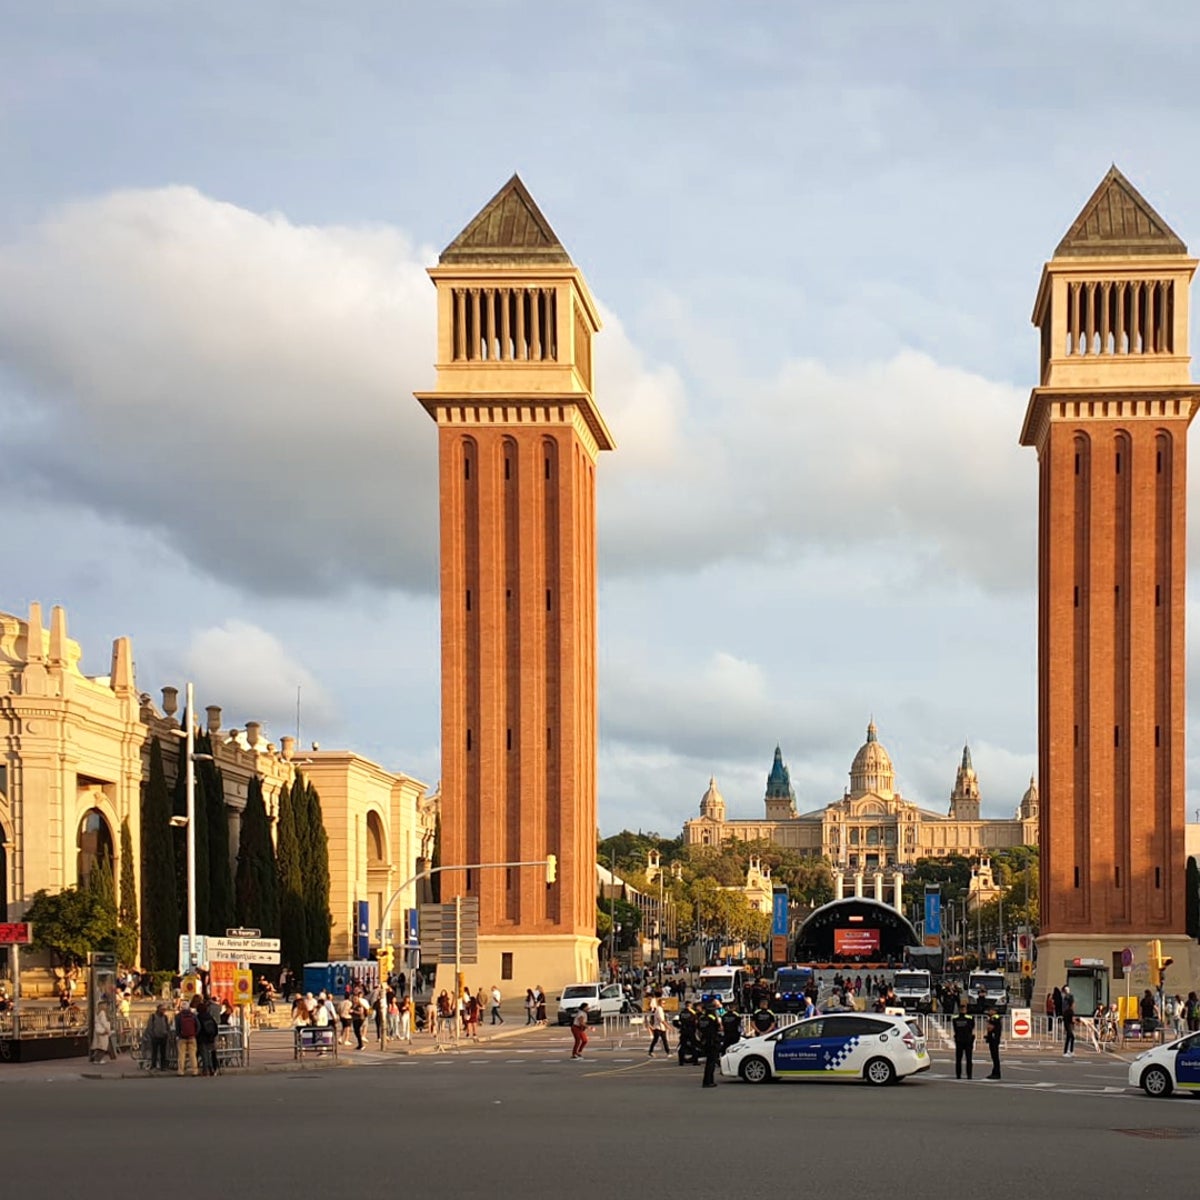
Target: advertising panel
pixel 855 941
pixel 779 912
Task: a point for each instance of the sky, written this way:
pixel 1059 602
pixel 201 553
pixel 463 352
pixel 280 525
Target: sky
pixel 815 233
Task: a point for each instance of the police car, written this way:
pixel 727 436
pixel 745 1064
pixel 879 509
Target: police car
pixel 1160 1071
pixel 878 1047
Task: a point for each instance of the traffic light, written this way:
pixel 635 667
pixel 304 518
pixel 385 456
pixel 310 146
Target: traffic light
pixel 386 956
pixel 551 868
pixel 1159 963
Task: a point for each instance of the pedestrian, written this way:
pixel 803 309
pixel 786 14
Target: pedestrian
pixel 359 1011
pixel 393 1014
pixel 187 1030
pixel 762 1018
pixel 497 1019
pixel 731 1028
pixel 708 1035
pixel 530 1007
pixel 539 997
pixel 1148 1010
pixel 206 1042
pixel 445 1015
pixel 345 1019
pixel 406 1019
pixel 687 1034
pixel 470 1013
pixel 102 1035
pixel 158 1030
pixel 1192 1012
pixel 579 1031
pixel 963 1027
pixel 656 1021
pixel 1068 1023
pixel 992 1037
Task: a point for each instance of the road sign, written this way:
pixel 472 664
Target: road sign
pixel 1022 1026
pixel 15 933
pixel 243 987
pixel 201 952
pixel 243 933
pixel 264 958
pixel 1127 957
pixel 437 926
pixel 1027 968
pixel 248 947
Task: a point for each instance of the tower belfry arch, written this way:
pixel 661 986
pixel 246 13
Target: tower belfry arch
pixel 1109 420
pixel 519 435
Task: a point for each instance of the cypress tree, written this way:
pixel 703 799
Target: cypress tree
pixel 293 926
pixel 315 855
pixel 179 809
pixel 220 878
pixel 1191 906
pixel 256 887
pixel 127 914
pixel 160 904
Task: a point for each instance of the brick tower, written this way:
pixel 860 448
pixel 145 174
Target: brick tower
pixel 519 434
pixel 1109 422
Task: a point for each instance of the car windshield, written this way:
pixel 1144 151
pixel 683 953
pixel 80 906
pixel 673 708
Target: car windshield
pixel 989 983
pixel 578 993
pixel 717 983
pixel 908 982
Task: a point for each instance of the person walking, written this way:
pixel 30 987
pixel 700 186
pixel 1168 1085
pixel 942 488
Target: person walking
pixel 359 1011
pixel 656 1021
pixel 992 1037
pixel 187 1030
pixel 406 1019
pixel 579 1031
pixel 158 1030
pixel 530 1007
pixel 1068 1023
pixel 708 1035
pixel 1192 1012
pixel 497 1019
pixel 539 997
pixel 963 1027
pixel 102 1035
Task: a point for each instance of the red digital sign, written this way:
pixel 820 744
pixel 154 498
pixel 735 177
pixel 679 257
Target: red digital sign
pixel 855 941
pixel 15 933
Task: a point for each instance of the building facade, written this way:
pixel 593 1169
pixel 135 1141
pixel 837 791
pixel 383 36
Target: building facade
pixel 519 435
pixel 1109 421
pixel 872 826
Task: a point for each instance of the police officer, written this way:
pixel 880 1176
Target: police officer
pixel 731 1028
pixel 992 1037
pixel 964 1041
pixel 687 1034
pixel 708 1035
pixel 762 1018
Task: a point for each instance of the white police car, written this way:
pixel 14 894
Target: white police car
pixel 1160 1071
pixel 878 1047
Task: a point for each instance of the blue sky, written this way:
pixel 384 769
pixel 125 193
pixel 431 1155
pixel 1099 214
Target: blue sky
pixel 815 231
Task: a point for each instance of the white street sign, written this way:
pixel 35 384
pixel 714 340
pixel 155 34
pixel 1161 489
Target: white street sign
pixel 264 957
pixel 251 948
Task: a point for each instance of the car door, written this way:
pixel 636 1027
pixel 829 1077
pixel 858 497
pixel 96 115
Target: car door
pixel 841 1043
pixel 798 1048
pixel 610 999
pixel 1187 1064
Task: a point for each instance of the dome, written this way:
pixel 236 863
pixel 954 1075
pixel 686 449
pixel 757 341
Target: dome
pixel 713 803
pixel 1029 802
pixel 872 769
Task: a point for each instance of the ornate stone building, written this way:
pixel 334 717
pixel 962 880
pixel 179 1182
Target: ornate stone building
pixel 872 826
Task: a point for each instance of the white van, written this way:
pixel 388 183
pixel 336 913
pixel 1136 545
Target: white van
pixel 602 999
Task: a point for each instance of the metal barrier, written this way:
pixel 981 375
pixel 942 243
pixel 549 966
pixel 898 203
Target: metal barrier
pixel 36 1023
pixel 619 1026
pixel 319 1040
pixel 231 1048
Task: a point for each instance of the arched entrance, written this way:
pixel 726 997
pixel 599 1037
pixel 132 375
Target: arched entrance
pixel 94 843
pixel 855 932
pixel 377 868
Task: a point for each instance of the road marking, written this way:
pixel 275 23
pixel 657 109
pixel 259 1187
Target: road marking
pixel 618 1070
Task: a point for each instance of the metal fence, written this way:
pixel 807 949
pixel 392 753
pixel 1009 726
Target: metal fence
pixel 36 1023
pixel 1045 1032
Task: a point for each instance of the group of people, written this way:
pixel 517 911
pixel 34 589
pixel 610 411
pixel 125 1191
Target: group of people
pixel 963 1026
pixel 349 1014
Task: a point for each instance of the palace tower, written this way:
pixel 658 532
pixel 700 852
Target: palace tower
pixel 519 434
pixel 1109 421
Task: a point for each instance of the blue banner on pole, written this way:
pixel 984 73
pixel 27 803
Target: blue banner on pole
pixel 933 914
pixel 362 940
pixel 779 913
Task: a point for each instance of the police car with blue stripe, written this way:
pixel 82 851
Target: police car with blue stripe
pixel 1160 1071
pixel 880 1048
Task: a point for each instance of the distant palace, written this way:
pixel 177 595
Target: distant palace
pixel 872 826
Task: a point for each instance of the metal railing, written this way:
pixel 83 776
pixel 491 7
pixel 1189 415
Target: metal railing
pixel 35 1023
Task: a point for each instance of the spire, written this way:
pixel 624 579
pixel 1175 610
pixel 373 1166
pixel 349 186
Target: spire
pixel 509 228
pixel 120 677
pixel 872 732
pixel 1118 221
pixel 58 636
pixel 966 758
pixel 34 632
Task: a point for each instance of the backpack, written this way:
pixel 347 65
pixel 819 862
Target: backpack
pixel 208 1027
pixel 187 1024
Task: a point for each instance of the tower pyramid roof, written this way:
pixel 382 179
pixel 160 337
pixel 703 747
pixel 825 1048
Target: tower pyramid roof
pixel 1118 221
pixel 509 230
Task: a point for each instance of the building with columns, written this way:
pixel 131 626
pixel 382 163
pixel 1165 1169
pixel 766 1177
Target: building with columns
pixel 872 827
pixel 519 435
pixel 1109 420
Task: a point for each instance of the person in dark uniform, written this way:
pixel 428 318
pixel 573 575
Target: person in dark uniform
pixel 708 1036
pixel 964 1041
pixel 731 1028
pixel 687 1034
pixel 762 1018
pixel 992 1037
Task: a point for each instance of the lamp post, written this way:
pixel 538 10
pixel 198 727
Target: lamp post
pixel 189 821
pixel 612 910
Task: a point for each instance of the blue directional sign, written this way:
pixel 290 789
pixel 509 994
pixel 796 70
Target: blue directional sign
pixel 779 913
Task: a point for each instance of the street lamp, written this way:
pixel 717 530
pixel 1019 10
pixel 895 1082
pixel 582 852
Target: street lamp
pixel 189 734
pixel 612 910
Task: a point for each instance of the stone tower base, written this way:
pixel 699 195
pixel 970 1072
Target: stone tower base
pixel 551 960
pixel 1056 949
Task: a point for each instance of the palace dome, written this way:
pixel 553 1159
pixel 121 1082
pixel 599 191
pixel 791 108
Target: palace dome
pixel 713 803
pixel 872 769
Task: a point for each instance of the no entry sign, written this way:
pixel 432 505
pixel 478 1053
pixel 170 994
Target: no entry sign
pixel 15 933
pixel 1022 1026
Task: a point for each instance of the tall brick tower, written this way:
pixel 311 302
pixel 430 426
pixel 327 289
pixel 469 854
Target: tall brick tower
pixel 519 434
pixel 1110 422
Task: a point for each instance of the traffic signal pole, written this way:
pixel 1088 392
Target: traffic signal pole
pixel 550 862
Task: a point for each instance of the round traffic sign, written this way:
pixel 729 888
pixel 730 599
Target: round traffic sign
pixel 1127 957
pixel 1021 1027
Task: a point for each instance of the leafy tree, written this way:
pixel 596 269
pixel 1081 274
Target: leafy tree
pixel 293 922
pixel 315 858
pixel 76 921
pixel 127 913
pixel 160 902
pixel 256 888
pixel 1192 898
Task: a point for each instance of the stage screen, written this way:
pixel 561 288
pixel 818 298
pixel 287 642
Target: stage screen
pixel 856 941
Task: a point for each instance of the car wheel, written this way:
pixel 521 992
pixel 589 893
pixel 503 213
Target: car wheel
pixel 1156 1082
pixel 755 1070
pixel 879 1072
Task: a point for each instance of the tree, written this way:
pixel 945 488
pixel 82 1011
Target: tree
pixel 216 825
pixel 256 888
pixel 315 861
pixel 71 924
pixel 127 914
pixel 200 836
pixel 160 903
pixel 293 923
pixel 1192 898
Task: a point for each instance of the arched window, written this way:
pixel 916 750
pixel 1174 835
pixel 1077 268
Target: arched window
pixel 95 844
pixel 375 841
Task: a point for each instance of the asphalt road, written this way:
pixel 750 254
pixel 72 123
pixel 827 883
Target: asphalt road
pixel 523 1119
